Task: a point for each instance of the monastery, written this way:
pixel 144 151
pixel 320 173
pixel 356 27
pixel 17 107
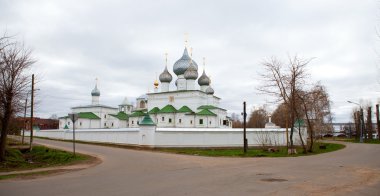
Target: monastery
pixel 191 105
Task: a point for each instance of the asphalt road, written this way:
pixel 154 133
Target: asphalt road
pixel 354 170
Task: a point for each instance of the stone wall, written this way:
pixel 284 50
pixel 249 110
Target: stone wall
pixel 177 137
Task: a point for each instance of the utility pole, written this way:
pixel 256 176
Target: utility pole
pixel 31 114
pixel 23 130
pixel 378 121
pixel 74 118
pixel 244 127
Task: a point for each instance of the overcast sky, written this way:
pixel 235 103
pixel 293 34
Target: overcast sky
pixel 123 44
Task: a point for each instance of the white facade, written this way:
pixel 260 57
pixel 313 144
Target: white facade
pixel 177 137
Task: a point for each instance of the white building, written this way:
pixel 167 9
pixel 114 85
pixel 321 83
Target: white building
pixel 191 105
pixel 97 116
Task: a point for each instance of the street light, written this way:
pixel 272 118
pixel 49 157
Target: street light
pixel 361 120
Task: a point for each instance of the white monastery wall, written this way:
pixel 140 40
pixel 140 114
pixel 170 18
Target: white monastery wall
pixel 177 137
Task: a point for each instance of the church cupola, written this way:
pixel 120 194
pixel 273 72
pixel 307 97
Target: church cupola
pixel 191 74
pixel 204 80
pixel 209 90
pixel 95 93
pixel 165 77
pixel 182 64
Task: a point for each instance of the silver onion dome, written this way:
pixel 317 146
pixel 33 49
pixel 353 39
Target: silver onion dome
pixel 209 90
pixel 165 76
pixel 181 65
pixel 204 80
pixel 95 91
pixel 191 73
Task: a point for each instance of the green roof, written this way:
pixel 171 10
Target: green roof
pixel 88 115
pixel 147 121
pixel 154 110
pixel 137 114
pixel 209 107
pixel 120 116
pixel 168 109
pixel 184 109
pixel 206 112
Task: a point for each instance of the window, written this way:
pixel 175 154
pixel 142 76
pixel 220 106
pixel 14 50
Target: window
pixel 142 104
pixel 132 122
pixel 201 121
pixel 225 122
pixel 105 124
pixel 210 122
pixel 105 115
pixel 191 122
pixel 138 122
pixel 180 121
pixel 68 123
pixel 170 120
pixel 163 118
pixel 112 124
pixel 80 123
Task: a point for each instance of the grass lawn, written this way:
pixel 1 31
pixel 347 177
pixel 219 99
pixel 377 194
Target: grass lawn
pixel 252 152
pixel 39 157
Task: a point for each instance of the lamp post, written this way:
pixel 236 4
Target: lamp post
pixel 361 120
pixel 73 117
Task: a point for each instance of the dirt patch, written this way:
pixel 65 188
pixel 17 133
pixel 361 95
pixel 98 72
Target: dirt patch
pixel 344 181
pixel 273 180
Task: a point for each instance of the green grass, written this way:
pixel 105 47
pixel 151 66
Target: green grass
pixel 39 157
pixel 25 175
pixel 252 152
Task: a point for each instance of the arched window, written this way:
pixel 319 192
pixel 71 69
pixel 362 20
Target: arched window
pixel 142 104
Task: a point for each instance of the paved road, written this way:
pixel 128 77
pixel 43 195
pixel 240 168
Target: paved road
pixel 354 170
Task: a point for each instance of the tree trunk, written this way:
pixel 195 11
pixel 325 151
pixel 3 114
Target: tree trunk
pixel 4 132
pixel 378 121
pixel 369 122
pixel 357 125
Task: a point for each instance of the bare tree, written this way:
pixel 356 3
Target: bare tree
pixel 284 81
pixel 316 109
pixel 15 61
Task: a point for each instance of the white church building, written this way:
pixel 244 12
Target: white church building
pixel 192 104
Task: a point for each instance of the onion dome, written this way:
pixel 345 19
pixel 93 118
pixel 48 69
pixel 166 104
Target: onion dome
pixel 125 101
pixel 191 73
pixel 204 80
pixel 182 64
pixel 209 91
pixel 166 76
pixel 95 91
pixel 155 83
